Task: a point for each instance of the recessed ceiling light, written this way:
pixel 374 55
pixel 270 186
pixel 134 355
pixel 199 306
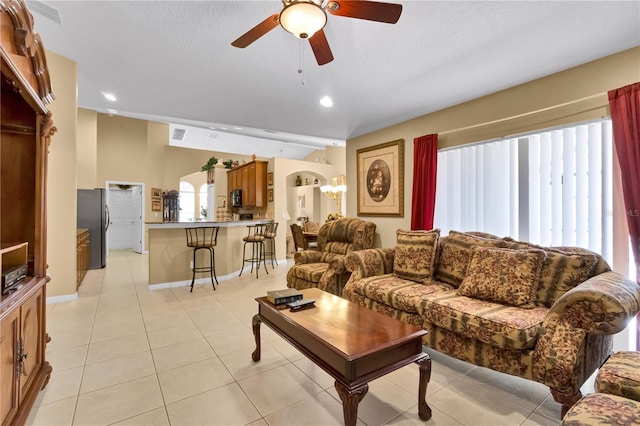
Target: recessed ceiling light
pixel 237 128
pixel 109 96
pixel 112 111
pixel 326 101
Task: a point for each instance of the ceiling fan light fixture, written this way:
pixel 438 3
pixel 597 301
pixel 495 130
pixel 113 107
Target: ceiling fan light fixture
pixel 303 18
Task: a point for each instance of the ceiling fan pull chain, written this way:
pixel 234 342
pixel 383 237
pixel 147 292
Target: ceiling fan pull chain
pixel 301 58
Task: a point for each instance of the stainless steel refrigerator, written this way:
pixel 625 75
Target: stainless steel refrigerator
pixel 93 214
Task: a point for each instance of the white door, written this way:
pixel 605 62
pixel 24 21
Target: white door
pixel 125 212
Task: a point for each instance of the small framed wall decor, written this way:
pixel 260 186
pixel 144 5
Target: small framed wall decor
pixel 156 205
pixel 380 172
pixel 270 178
pixel 270 194
pixel 156 193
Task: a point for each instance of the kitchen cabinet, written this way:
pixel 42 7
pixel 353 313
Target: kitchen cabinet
pixel 26 130
pixel 251 178
pixel 82 254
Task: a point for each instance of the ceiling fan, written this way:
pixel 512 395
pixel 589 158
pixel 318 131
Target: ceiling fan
pixel 306 19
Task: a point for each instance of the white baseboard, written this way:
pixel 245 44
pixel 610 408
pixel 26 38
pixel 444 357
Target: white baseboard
pixel 63 298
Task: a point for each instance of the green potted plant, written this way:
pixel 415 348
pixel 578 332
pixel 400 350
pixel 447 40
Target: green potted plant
pixel 208 167
pixel 228 163
pixel 211 162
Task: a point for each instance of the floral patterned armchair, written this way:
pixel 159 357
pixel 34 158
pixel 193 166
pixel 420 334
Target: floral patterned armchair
pixel 325 268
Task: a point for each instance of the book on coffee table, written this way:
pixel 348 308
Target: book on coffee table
pixel 282 297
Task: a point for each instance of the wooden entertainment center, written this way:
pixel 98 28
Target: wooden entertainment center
pixel 27 128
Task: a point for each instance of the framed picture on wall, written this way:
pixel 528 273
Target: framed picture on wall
pixel 156 193
pixel 156 205
pixel 270 178
pixel 222 201
pixel 380 172
pixel 270 194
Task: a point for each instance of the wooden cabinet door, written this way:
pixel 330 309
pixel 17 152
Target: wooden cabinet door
pixel 249 182
pixel 31 328
pixel 9 336
pixel 260 184
pixel 233 181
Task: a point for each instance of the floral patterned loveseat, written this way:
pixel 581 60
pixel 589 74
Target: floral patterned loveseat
pixel 325 268
pixel 545 314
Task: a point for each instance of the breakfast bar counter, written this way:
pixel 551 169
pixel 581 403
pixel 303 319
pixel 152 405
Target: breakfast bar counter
pixel 170 258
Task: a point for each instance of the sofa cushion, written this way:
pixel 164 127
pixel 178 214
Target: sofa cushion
pixel 455 254
pixel 399 314
pixel 415 254
pixel 620 375
pixel 561 271
pixel 504 276
pixel 396 292
pixel 311 272
pixel 506 327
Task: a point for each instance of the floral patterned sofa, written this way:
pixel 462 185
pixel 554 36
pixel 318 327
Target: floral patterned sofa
pixel 325 268
pixel 545 314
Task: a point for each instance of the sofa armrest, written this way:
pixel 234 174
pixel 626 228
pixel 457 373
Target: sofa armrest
pixel 575 337
pixel 307 256
pixel 370 262
pixel 603 304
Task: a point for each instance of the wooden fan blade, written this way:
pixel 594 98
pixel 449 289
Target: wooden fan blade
pixel 369 10
pixel 256 32
pixel 320 47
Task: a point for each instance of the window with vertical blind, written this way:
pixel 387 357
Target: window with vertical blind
pixel 550 188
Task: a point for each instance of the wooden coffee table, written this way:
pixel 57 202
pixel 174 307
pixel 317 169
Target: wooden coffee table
pixel 353 344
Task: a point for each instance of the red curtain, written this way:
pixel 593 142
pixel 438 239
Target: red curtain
pixel 425 166
pixel 624 104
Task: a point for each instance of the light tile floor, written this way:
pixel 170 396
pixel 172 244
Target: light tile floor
pixel 122 354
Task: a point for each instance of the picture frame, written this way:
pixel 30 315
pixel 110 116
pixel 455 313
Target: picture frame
pixel 270 178
pixel 156 205
pixel 380 186
pixel 222 201
pixel 270 194
pixel 156 193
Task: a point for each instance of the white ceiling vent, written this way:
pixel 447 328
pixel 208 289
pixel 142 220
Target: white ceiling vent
pixel 178 134
pixel 44 10
pixel 213 135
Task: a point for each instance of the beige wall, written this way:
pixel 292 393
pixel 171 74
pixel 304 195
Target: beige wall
pixel 87 148
pixel 61 184
pixel 570 96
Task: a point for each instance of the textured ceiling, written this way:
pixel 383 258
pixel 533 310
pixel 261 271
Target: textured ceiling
pixel 172 61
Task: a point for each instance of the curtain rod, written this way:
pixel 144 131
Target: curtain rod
pixel 513 117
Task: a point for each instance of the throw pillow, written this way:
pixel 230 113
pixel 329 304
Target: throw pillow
pixel 562 270
pixel 455 253
pixel 415 254
pixel 504 276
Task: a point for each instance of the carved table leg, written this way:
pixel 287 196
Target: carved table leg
pixel 424 411
pixel 255 356
pixel 350 400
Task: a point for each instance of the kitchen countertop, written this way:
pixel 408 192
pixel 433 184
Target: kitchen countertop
pixel 203 224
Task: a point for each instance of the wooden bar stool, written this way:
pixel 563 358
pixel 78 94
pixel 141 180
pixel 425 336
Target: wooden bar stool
pixel 203 238
pixel 256 239
pixel 270 232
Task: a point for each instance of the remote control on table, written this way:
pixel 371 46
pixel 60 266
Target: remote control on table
pixel 301 304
